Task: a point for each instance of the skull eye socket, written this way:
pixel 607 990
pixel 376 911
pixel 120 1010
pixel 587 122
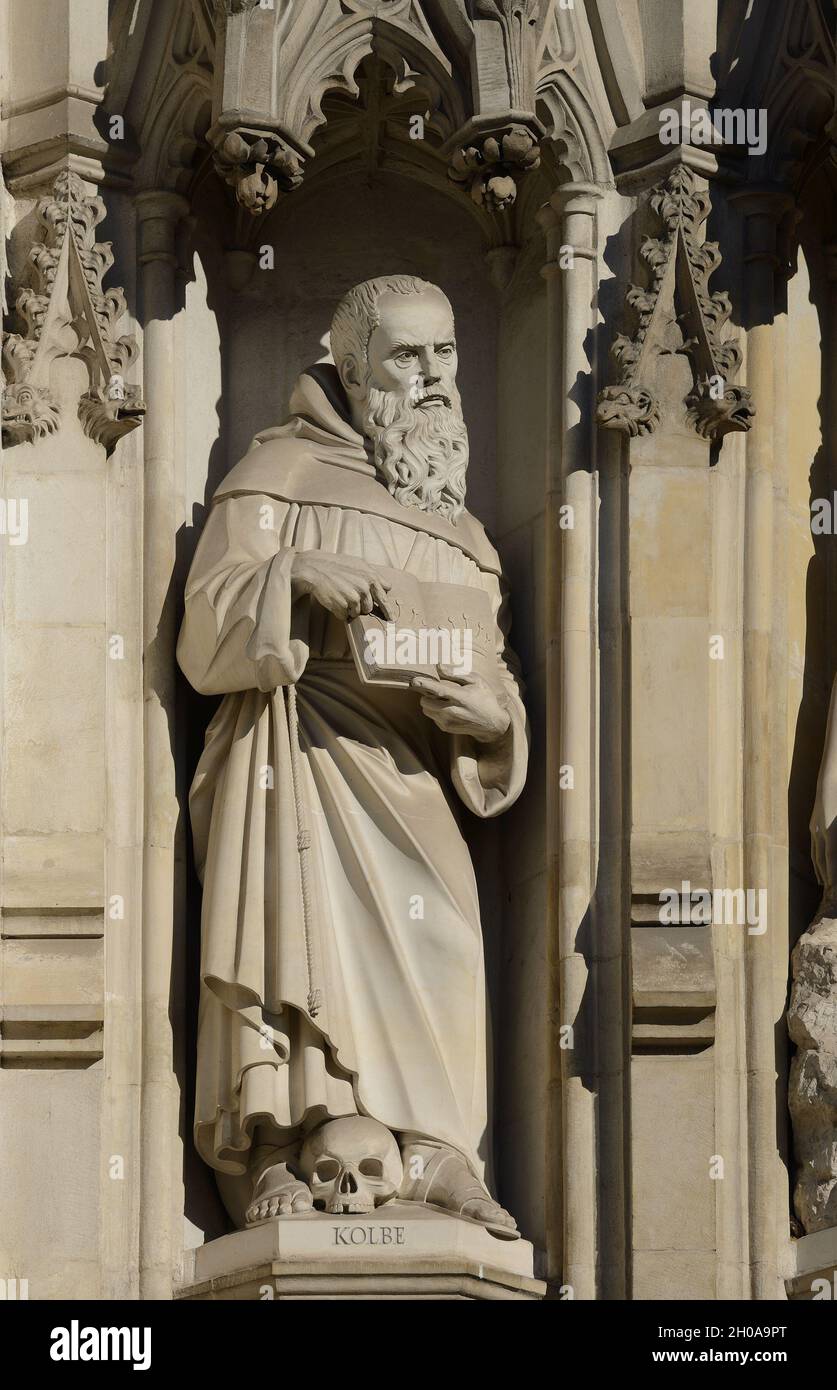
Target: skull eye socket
pixel 372 1167
pixel 326 1170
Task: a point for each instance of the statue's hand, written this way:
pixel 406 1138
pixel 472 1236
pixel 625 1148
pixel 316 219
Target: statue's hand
pixel 824 834
pixel 463 704
pixel 344 584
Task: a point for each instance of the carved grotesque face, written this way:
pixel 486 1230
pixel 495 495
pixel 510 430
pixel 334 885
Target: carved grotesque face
pixel 351 1165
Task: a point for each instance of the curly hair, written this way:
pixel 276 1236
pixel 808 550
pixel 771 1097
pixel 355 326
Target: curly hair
pixel 356 316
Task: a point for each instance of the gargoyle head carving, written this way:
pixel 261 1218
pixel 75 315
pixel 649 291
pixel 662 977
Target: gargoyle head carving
pixel 631 409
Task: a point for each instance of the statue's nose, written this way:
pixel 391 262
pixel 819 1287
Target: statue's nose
pixel 347 1184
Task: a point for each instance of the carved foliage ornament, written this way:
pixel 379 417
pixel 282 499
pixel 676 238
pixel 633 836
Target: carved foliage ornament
pixel 68 314
pixel 681 266
pixel 489 166
pixel 258 165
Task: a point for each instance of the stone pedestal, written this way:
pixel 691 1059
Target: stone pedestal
pixel 814 1275
pixel 399 1251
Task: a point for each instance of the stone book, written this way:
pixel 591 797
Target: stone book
pixel 433 624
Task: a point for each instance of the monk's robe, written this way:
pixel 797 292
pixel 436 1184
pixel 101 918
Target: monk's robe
pixel 342 958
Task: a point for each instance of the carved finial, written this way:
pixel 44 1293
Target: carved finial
pixel 68 314
pixel 714 405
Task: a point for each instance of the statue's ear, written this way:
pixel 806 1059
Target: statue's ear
pixel 350 379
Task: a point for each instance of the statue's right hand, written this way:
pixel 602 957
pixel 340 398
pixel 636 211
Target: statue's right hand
pixel 344 584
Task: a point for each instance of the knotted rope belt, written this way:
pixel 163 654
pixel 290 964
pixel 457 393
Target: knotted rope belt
pixel 303 844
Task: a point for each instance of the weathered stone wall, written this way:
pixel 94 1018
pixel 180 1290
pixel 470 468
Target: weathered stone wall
pixel 677 636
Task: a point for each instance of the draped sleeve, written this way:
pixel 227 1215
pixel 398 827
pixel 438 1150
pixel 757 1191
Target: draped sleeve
pixel 489 777
pixel 242 628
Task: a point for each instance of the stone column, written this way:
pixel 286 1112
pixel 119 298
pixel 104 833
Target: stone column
pixel 762 209
pixel 158 213
pixel 569 220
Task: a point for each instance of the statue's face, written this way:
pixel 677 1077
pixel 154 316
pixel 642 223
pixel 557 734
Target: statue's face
pixel 412 352
pixel 405 402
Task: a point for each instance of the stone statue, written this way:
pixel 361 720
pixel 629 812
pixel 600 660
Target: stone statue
pixel 342 1047
pixel 812 1014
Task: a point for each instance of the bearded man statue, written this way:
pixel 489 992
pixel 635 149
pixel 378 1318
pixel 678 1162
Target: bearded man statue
pixel 342 957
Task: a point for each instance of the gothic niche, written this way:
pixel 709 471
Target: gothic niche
pixel 361 199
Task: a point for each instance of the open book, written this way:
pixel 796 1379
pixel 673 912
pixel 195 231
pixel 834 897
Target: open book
pixel 432 624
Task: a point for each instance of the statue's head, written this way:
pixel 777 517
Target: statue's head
pixel 393 342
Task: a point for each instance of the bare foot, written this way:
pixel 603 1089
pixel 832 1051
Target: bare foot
pixel 278 1193
pixel 448 1184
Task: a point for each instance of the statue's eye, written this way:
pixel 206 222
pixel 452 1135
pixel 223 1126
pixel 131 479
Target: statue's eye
pixel 446 351
pixel 405 357
pixel 371 1167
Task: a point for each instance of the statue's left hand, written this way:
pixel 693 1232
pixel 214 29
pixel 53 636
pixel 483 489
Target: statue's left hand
pixel 463 704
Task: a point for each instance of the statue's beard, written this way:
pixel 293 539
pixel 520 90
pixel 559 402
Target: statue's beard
pixel 420 452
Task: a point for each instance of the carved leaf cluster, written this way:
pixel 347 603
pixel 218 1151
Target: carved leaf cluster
pixel 629 406
pixel 258 165
pixel 490 166
pixel 67 312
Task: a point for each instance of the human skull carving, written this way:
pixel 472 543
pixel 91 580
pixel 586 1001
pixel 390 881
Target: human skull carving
pixel 351 1165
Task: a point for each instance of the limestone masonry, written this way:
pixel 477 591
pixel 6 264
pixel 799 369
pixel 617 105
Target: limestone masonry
pixel 418 782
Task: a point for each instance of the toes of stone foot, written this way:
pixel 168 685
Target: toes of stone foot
pixel 490 1212
pixel 480 1211
pixel 302 1201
